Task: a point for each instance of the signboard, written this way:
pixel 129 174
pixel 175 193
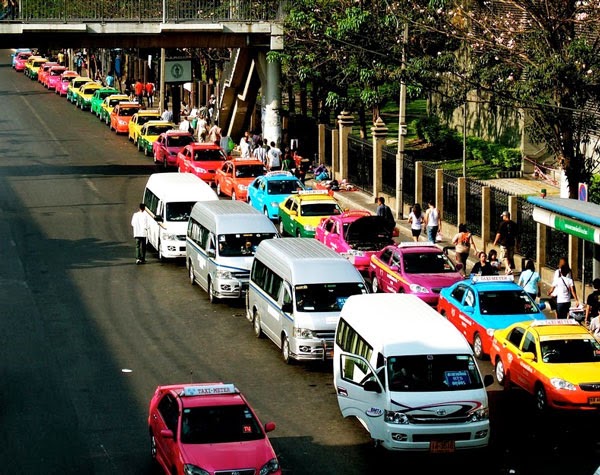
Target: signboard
pixel 178 70
pixel 567 225
pixel 583 192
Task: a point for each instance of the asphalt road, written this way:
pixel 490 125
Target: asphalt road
pixel 86 335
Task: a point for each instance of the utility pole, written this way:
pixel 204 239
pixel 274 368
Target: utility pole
pixel 401 130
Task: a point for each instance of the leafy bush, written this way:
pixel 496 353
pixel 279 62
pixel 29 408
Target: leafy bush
pixel 446 141
pixel 594 189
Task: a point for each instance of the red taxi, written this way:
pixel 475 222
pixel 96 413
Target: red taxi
pixel 168 144
pixel 557 361
pixel 419 268
pixel 356 235
pixel 121 115
pixel 234 176
pixel 207 429
pixel 62 86
pixel 202 159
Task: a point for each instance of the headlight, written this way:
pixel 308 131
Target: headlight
pixel 490 331
pixel 354 252
pixel 303 333
pixel 559 383
pixel 169 237
pixel 275 204
pixel 308 227
pixel 418 289
pixel 394 417
pixel 223 274
pixel 121 122
pixel 481 414
pixel 242 187
pixel 190 469
pixel 202 170
pixel 270 467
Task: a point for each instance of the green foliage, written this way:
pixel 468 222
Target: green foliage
pixel 445 141
pixel 594 189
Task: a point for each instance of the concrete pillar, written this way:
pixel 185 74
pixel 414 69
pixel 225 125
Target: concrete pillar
pixel 345 121
pixel 461 213
pixel 574 255
pixel 272 128
pixel 321 142
pixel 379 132
pixel 540 246
pixel 419 184
pixel 439 192
pixel 335 152
pixel 485 216
pixel 513 206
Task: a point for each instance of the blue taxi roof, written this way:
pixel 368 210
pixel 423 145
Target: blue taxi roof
pixel 493 282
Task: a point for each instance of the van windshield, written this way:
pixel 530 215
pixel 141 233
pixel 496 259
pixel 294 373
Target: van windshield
pixel 243 244
pixel 179 211
pixel 326 297
pixel 417 373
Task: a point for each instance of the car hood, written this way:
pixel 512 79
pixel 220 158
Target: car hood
pixel 502 321
pixel 575 373
pixel 229 456
pixel 369 233
pixel 435 281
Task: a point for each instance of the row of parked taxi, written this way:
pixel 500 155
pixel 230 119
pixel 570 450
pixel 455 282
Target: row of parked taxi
pixel 296 290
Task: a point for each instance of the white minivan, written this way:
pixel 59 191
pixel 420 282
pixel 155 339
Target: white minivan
pixel 297 289
pixel 169 198
pixel 221 239
pixel 409 376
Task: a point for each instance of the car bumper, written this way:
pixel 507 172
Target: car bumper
pixel 303 349
pixel 173 249
pixel 573 400
pixel 230 288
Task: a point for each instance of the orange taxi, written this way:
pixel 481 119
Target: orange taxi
pixel 121 115
pixel 233 178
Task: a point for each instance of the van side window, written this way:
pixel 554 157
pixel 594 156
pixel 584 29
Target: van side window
pixel 273 284
pixel 151 201
pixel 351 342
pixel 266 279
pixel 470 299
pixel 258 273
pixel 355 370
pixel 287 297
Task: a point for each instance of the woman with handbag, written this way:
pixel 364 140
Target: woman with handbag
pixel 563 289
pixel 530 280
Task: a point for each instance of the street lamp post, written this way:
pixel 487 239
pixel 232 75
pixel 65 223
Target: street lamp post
pixel 401 130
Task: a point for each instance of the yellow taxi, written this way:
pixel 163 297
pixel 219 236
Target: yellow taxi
pixel 555 360
pixel 76 83
pixel 109 104
pixel 83 96
pixel 139 119
pixel 300 214
pixel 149 134
pixel 32 66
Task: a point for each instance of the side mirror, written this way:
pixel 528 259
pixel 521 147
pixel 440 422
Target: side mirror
pixel 166 434
pixel 459 266
pixel 372 387
pixel 394 268
pixel 542 306
pixel 158 218
pixel 211 253
pixel 287 307
pixel 528 356
pixel 269 427
pixel 488 380
pixel 293 213
pixel 468 309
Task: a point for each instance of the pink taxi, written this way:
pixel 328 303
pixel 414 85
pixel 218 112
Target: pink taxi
pixel 208 429
pixel 62 86
pixel 356 235
pixel 419 268
pixel 54 76
pixel 21 59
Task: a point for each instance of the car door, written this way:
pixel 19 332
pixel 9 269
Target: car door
pixel 378 266
pixel 360 393
pixel 164 418
pixel 453 309
pixel 254 193
pixel 394 274
pixel 523 370
pixel 229 179
pixel 294 212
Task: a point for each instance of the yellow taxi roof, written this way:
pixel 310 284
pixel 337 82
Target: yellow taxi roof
pixel 315 197
pixel 554 327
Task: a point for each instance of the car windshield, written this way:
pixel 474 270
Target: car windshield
pixel 324 208
pixel 507 302
pixel 220 424
pixel 284 187
pixel 427 263
pixel 210 155
pixel 421 373
pixel 326 297
pixel 146 118
pixel 249 171
pixel 179 211
pixel 89 90
pixel 114 102
pixel 180 140
pixel 127 111
pixel 570 350
pixel 104 94
pixel 236 245
pixel 157 129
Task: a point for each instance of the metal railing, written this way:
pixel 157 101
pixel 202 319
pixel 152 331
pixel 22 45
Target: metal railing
pixel 360 164
pixel 66 11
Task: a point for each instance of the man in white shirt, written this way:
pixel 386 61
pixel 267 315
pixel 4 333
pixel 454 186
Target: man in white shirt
pixel 139 223
pixel 184 125
pixel 273 158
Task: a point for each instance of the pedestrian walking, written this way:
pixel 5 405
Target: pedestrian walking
pixel 385 212
pixel 563 289
pixel 530 280
pixel 138 89
pixel 592 308
pixel 507 237
pixel 415 219
pixel 273 158
pixel 433 221
pixel 288 163
pixel 463 241
pixel 139 223
pixel 149 89
pixel 483 266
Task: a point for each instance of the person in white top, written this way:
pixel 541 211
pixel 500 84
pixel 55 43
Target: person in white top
pixel 563 289
pixel 184 125
pixel 433 221
pixel 273 158
pixel 415 219
pixel 139 223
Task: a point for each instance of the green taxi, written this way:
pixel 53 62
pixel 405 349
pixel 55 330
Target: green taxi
pixel 150 132
pixel 300 214
pixel 98 98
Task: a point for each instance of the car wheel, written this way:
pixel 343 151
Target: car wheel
pixel 256 325
pixel 285 349
pixel 219 189
pixel 281 228
pixel 152 446
pixel 233 196
pixel 298 232
pixel 266 212
pixel 541 400
pixel 500 372
pixel 478 347
pixel 375 285
pixel 191 274
pixel 212 298
pixel 145 151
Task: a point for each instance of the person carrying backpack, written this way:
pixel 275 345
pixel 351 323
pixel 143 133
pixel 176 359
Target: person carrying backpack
pixel 463 241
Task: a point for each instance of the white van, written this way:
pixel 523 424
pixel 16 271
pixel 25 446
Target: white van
pixel 221 239
pixel 297 289
pixel 169 198
pixel 409 376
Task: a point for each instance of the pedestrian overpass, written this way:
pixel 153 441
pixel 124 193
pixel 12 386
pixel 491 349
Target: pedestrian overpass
pixel 251 27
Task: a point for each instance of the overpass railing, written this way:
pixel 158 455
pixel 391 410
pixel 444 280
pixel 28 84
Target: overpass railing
pixel 172 11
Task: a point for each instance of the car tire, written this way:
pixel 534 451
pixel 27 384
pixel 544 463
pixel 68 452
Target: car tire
pixel 258 333
pixel 191 274
pixel 285 349
pixel 541 400
pixel 478 347
pixel 212 298
pixel 145 151
pixel 160 254
pixel 375 285
pixel 281 228
pixel 298 232
pixel 233 196
pixel 219 189
pixel 500 372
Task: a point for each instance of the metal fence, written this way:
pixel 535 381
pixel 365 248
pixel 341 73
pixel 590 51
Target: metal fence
pixel 557 246
pixel 360 164
pixel 148 10
pixel 450 194
pixel 474 206
pixel 429 190
pixel 498 203
pixel 527 228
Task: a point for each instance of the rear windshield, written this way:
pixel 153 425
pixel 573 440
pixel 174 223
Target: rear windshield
pixel 179 140
pixel 249 171
pixel 127 111
pixel 320 209
pixel 157 129
pixel 211 155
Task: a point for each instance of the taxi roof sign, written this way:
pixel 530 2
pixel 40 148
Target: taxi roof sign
pixel 279 173
pixel 417 244
pixel 492 278
pixel 209 390
pixel 313 192
pixel 554 321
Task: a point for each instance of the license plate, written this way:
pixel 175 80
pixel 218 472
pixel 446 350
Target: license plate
pixel 441 446
pixel 594 400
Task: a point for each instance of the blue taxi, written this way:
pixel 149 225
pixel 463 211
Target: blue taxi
pixel 266 192
pixel 483 304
